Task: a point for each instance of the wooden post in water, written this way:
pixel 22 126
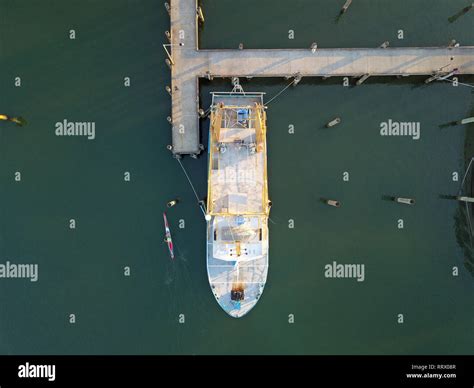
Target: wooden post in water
pixel 469 120
pixel 170 120
pixel 168 36
pixel 385 44
pixel 168 63
pixel 465 199
pixel 314 47
pixel 452 44
pixel 362 79
pixel 168 89
pixel 334 203
pixel 346 6
pixel 167 6
pixel 405 201
pixel 297 79
pixel 334 122
pixel 200 14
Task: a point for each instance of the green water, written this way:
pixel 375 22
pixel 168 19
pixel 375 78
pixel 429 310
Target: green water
pixel 119 223
pixel 367 23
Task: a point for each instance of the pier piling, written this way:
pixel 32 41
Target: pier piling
pixel 405 201
pixel 362 79
pixel 168 8
pixel 334 203
pixel 168 36
pixel 385 44
pixel 465 199
pixel 209 75
pixel 334 122
pixel 200 14
pixel 346 6
pixel 168 63
pixel 314 47
pixel 469 120
pixel 168 89
pixel 297 79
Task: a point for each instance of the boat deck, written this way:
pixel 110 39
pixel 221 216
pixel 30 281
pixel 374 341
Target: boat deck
pixel 237 173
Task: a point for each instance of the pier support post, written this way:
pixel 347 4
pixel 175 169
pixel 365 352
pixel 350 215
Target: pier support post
pixel 362 79
pixel 465 199
pixel 167 6
pixel 169 119
pixel 168 63
pixel 469 120
pixel 297 79
pixel 440 75
pixel 334 122
pixel 209 76
pixel 168 89
pixel 201 113
pixel 334 203
pixel 346 6
pixel 200 14
pixel 405 201
pixel 314 47
pixel 169 147
pixel 168 36
pixel 385 44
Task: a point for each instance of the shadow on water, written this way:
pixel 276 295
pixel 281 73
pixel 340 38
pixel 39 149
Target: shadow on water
pixel 447 125
pixel 462 12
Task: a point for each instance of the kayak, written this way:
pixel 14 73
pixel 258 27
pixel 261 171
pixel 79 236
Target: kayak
pixel 168 239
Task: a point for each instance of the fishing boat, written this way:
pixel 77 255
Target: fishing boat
pixel 168 239
pixel 237 202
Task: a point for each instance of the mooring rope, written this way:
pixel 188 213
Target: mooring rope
pixel 286 87
pixel 189 180
pixel 465 175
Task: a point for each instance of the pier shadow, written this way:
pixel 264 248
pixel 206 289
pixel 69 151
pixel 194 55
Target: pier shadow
pixel 445 196
pixel 447 125
pixel 462 12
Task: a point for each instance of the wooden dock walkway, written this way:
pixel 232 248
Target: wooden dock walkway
pixel 190 64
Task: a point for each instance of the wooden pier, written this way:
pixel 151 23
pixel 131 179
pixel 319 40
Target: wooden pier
pixel 189 64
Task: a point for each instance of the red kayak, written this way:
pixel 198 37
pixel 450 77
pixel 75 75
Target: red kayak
pixel 168 239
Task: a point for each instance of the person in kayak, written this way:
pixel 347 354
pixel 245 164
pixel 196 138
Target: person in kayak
pixel 172 203
pixel 20 121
